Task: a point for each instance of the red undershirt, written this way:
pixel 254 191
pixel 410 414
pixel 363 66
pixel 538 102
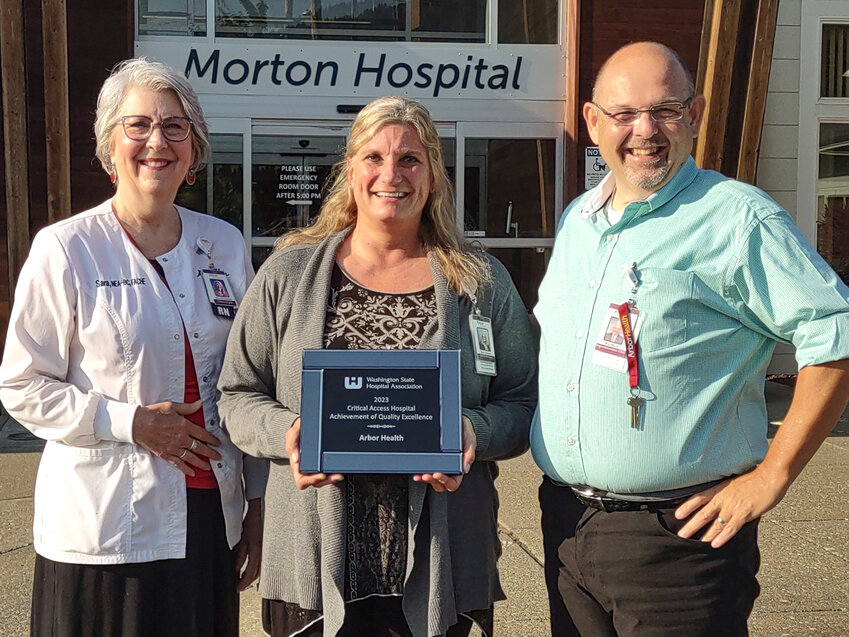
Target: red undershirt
pixel 203 478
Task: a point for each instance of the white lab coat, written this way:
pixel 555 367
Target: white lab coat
pixel 93 334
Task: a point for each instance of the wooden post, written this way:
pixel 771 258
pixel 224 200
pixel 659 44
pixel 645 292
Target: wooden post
pixel 572 117
pixel 716 81
pixel 753 117
pixel 707 23
pixel 15 129
pixel 56 109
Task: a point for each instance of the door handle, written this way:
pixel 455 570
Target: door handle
pixel 511 225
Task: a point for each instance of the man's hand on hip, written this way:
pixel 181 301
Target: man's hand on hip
pixel 723 509
pixel 819 398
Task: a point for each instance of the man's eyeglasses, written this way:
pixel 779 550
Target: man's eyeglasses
pixel 140 127
pixel 661 113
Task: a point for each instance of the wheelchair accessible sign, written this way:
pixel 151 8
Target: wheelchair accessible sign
pixel 594 167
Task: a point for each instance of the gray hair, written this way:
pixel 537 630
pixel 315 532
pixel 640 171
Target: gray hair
pixel 154 76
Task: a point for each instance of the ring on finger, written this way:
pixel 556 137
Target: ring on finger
pixel 183 455
pixel 193 445
pixel 720 520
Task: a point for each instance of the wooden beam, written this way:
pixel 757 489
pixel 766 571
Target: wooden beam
pixel 13 73
pixel 56 109
pixel 707 24
pixel 753 117
pixel 572 116
pixel 718 67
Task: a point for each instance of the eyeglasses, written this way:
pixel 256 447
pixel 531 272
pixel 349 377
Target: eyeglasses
pixel 661 113
pixel 140 127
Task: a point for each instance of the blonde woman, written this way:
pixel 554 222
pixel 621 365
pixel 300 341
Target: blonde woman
pixel 383 267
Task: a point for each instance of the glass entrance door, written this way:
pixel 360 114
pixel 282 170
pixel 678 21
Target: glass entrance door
pixel 290 167
pixel 510 194
pixel 508 183
pixel 221 182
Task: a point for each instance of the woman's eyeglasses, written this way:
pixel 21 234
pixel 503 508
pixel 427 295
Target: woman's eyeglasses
pixel 140 127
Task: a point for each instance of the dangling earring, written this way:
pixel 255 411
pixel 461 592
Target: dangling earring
pixel 113 175
pixel 190 176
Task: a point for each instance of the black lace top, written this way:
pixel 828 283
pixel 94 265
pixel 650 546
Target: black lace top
pixel 359 318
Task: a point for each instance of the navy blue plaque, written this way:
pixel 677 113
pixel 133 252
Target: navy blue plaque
pixel 381 411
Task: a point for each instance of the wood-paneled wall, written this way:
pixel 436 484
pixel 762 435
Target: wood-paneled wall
pixel 99 35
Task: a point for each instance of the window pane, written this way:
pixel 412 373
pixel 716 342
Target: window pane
pixel 259 254
pixel 526 267
pixel 223 197
pixel 833 197
pixel 289 177
pixel 172 17
pixel 436 19
pixel 509 188
pixel 527 22
pixel 447 145
pixel 308 19
pixel 442 20
pixel 835 60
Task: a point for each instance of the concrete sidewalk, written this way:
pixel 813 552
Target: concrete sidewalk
pixel 804 544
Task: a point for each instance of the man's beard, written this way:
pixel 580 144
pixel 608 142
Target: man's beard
pixel 647 178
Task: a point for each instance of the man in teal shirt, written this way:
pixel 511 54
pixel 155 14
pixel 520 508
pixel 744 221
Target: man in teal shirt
pixel 655 456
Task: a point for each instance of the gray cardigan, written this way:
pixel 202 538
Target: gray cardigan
pixel 452 538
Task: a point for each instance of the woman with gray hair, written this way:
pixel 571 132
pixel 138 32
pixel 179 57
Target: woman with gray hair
pixel 143 524
pixel 383 267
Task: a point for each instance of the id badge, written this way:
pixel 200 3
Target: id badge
pixel 484 344
pixel 220 293
pixel 609 348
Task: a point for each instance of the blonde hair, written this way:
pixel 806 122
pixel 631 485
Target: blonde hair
pixel 154 76
pixel 465 267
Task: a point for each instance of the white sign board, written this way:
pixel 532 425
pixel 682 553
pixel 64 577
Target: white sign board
pixel 594 167
pixel 335 69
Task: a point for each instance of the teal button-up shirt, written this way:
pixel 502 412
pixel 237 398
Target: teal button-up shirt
pixel 723 274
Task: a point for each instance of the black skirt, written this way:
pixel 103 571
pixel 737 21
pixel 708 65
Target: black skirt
pixel 192 596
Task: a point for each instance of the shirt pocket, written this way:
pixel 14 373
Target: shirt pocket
pixel 664 298
pixel 84 501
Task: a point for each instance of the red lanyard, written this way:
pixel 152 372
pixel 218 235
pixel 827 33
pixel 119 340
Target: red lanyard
pixel 630 346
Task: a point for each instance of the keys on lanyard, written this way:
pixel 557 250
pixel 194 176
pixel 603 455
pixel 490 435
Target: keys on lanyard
pixel 635 402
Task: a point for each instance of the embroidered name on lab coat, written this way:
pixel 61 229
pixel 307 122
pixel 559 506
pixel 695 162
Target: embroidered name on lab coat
pixel 116 283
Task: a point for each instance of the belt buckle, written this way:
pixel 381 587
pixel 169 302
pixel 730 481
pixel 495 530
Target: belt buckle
pixel 590 498
pixel 607 504
pixel 596 502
